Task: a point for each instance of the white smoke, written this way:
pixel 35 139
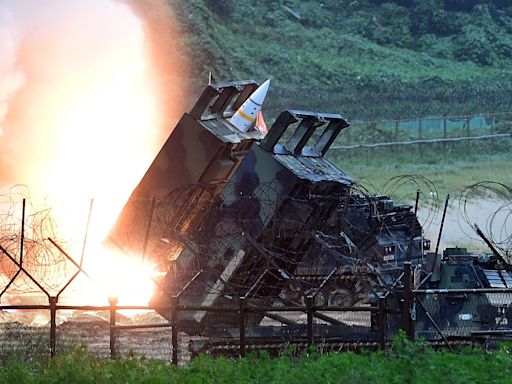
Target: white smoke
pixel 76 74
pixel 54 57
pixel 11 75
pixel 87 89
pixel 88 92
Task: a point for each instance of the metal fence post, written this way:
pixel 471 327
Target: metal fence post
pixel 468 133
pixel 445 133
pixel 174 329
pixel 407 299
pixel 242 326
pixel 492 128
pixel 382 323
pixel 420 135
pixel 53 324
pixel 309 305
pixel 113 331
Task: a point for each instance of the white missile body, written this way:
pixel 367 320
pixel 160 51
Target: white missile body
pixel 245 117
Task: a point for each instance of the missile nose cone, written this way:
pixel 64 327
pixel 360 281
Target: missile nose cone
pixel 258 96
pixel 245 117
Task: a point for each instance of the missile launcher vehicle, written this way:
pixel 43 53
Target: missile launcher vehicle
pixel 228 212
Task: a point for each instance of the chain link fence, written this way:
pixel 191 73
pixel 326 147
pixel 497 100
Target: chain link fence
pixel 462 314
pixel 428 130
pixel 439 316
pixel 106 332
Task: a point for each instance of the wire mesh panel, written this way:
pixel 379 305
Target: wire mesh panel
pixel 347 329
pixel 219 333
pixel 459 315
pixel 393 323
pixel 429 134
pixel 150 343
pixel 86 329
pixel 277 328
pixel 22 337
pixel 142 334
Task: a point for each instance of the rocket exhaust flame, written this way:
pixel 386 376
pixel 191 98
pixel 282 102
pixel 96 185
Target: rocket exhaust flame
pixel 82 115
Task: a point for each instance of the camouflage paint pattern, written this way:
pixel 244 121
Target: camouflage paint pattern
pixel 204 148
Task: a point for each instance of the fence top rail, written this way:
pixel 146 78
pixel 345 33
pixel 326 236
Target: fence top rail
pixel 430 117
pixel 455 291
pixel 185 308
pixel 491 332
pixel 313 307
pixel 117 308
pixel 422 141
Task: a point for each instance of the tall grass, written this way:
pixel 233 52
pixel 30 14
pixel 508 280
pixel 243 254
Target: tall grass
pixel 405 362
pixel 450 167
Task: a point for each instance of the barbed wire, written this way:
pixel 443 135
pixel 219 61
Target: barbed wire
pixel 493 219
pixel 260 222
pixel 251 230
pixel 39 257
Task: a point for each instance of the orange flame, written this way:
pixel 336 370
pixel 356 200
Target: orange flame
pixel 88 120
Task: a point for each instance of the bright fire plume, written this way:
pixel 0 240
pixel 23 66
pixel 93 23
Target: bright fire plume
pixel 82 115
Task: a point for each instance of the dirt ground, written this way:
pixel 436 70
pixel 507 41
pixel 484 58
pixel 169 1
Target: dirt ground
pixel 456 230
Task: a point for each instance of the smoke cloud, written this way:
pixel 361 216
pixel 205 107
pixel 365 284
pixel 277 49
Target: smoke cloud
pixel 81 80
pixel 89 91
pixel 11 77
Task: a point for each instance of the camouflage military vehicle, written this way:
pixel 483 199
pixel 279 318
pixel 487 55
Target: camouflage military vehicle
pixel 465 292
pixel 230 214
pixel 368 238
pixel 263 223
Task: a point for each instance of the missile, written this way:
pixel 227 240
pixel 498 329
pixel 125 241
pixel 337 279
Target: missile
pixel 245 116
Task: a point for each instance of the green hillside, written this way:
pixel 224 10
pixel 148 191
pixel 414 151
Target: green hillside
pixel 363 58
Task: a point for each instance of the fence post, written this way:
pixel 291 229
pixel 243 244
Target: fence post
pixel 242 326
pixel 407 300
pixel 492 128
pixel 420 135
pixel 112 301
pixel 309 306
pixel 445 132
pixel 174 329
pixel 382 322
pixel 468 133
pixel 53 324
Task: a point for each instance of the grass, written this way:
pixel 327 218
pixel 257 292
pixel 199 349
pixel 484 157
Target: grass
pixel 449 172
pixel 333 58
pixel 328 61
pixel 405 362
